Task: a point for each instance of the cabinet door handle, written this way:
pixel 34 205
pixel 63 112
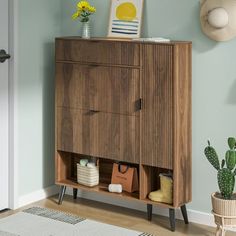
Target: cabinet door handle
pixel 94 65
pixel 139 104
pixel 94 111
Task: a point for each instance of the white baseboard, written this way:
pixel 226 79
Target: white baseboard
pixel 38 195
pixel 194 216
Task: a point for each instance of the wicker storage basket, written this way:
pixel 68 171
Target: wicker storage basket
pixel 225 210
pixel 87 176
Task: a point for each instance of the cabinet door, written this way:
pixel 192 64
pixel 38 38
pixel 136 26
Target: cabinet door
pixel 98 134
pixel 106 89
pixel 157 111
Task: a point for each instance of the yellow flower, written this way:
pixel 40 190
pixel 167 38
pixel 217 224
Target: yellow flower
pixel 83 5
pixel 76 15
pixel 91 9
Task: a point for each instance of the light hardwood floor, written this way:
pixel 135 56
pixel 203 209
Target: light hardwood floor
pixel 122 217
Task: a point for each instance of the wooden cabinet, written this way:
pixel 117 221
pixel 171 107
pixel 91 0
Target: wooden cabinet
pixel 120 100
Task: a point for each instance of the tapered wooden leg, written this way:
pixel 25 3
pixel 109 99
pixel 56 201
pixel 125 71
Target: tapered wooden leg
pixel 149 212
pixel 218 231
pixel 61 194
pixel 172 219
pixel 75 192
pixel 184 213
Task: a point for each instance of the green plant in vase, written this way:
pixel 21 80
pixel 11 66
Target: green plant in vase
pixel 224 203
pixel 226 174
pixel 83 13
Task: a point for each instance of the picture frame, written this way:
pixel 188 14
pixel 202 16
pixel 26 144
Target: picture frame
pixel 125 19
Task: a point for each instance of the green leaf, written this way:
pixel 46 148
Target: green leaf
pixel 231 142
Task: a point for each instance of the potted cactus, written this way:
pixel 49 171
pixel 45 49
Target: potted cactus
pixel 224 202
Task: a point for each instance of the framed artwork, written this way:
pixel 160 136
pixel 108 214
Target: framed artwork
pixel 125 18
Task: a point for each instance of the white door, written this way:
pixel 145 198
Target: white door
pixel 4 159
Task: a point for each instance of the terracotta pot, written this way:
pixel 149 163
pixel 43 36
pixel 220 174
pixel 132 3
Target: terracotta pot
pixel 224 208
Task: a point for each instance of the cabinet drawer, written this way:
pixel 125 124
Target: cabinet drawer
pixel 100 88
pixel 118 53
pixel 99 134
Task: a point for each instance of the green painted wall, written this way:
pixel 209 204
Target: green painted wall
pixel 214 78
pixel 39 22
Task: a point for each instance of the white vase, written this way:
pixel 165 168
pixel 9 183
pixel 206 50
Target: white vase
pixel 86 30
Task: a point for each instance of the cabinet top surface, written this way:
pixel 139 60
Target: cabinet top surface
pixel 76 38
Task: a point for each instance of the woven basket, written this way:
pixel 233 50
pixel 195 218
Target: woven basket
pixel 224 210
pixel 87 176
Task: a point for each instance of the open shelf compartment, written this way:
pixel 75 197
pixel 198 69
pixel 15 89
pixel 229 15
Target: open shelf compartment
pixel 67 174
pixel 150 181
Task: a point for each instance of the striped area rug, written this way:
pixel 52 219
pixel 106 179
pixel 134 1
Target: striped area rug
pixel 46 222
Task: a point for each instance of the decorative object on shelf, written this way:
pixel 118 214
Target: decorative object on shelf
pixel 115 188
pixel 126 176
pixel 83 12
pixel 224 203
pixel 83 162
pixel 218 19
pixel 91 165
pixel 125 18
pixel 86 30
pixel 165 194
pixel 88 176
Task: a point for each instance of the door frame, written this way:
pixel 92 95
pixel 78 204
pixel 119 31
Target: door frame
pixel 12 93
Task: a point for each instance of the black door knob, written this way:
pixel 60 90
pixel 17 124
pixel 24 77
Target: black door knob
pixel 4 56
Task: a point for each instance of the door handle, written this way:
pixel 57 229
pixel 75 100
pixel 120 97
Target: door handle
pixel 94 111
pixel 4 56
pixel 139 104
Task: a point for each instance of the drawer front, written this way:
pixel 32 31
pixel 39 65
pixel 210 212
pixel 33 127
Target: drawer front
pixel 100 88
pixel 98 134
pixel 118 53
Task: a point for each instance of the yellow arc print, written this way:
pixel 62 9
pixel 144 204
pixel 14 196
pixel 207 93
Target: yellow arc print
pixel 126 11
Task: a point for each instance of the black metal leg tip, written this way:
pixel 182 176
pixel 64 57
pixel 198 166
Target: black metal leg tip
pixel 172 219
pixel 185 214
pixel 149 212
pixel 61 194
pixel 75 192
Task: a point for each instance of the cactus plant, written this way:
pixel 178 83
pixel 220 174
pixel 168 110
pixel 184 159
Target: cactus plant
pixel 226 175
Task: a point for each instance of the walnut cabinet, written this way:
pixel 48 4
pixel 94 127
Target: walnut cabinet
pixel 125 101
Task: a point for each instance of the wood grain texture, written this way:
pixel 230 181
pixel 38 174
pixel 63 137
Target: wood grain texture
pixel 98 134
pixel 97 116
pixel 99 88
pixel 157 113
pixel 118 53
pixel 102 188
pixel 63 165
pixel 182 133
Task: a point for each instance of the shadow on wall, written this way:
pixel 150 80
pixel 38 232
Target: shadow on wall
pixel 48 115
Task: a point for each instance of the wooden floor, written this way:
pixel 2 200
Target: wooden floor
pixel 122 217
